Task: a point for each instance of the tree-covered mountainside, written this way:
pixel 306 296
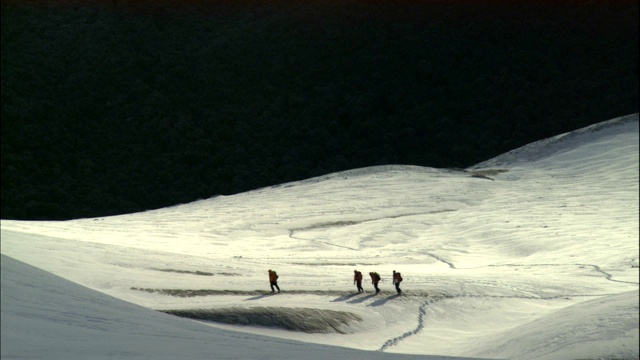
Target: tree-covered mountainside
pixel 112 107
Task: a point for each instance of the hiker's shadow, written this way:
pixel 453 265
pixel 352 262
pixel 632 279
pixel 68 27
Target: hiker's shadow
pixel 345 297
pixel 362 299
pixel 258 297
pixel 383 300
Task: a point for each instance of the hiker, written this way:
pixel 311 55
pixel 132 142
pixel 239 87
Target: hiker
pixel 273 280
pixel 357 279
pixel 397 279
pixel 375 279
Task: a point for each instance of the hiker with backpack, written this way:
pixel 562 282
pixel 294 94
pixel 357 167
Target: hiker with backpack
pixel 273 280
pixel 357 279
pixel 375 279
pixel 397 279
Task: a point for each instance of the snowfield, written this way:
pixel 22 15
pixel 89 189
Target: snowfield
pixel 530 255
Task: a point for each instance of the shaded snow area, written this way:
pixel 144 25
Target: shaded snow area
pixel 296 319
pixel 530 255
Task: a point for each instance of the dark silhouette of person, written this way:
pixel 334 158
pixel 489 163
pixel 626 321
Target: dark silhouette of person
pixel 273 280
pixel 357 279
pixel 397 279
pixel 375 279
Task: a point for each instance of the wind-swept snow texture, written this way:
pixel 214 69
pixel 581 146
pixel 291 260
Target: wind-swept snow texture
pixel 530 255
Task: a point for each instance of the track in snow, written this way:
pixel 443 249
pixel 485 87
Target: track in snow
pixel 421 321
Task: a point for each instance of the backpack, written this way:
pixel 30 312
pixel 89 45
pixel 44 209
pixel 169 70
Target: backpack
pixel 376 276
pixel 399 277
pixel 276 274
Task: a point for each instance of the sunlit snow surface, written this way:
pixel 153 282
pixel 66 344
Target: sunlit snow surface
pixel 531 255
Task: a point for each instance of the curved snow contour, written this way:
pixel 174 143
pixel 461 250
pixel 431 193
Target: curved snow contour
pixel 604 328
pixel 293 319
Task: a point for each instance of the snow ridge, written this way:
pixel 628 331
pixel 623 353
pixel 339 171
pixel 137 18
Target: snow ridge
pixel 547 147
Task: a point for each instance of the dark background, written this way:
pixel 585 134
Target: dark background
pixel 112 107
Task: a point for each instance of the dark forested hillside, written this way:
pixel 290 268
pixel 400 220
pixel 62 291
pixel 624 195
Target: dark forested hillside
pixel 112 107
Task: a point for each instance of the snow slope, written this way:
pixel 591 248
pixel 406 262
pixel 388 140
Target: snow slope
pixel 531 255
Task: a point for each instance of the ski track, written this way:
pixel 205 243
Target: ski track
pixel 597 269
pixel 291 232
pixel 351 223
pixel 609 276
pixel 451 265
